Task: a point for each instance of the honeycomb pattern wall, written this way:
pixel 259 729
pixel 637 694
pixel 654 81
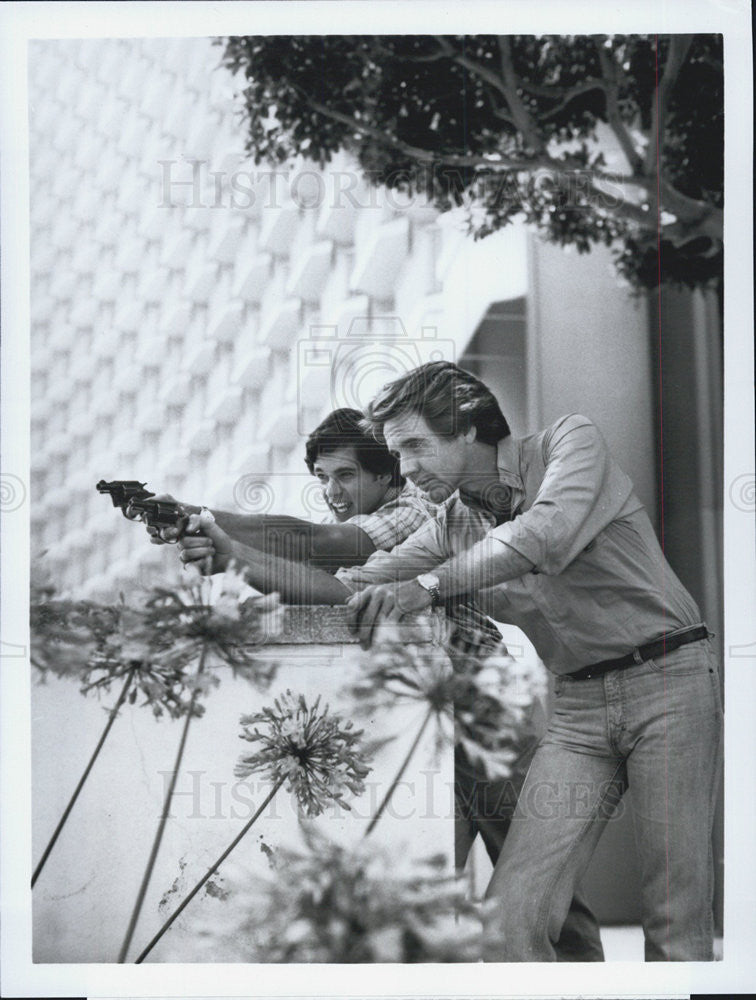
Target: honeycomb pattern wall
pixel 188 309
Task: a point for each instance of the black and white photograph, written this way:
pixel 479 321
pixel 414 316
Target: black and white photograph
pixel 377 499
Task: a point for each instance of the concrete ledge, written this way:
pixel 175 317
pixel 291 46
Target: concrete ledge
pixel 326 625
pixel 313 624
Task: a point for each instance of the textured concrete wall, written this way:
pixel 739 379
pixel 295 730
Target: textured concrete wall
pixel 194 316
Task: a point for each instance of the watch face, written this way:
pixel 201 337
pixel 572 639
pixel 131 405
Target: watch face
pixel 428 581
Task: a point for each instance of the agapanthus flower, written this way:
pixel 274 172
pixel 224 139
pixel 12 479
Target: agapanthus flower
pixel 185 619
pixel 479 702
pixel 66 632
pixel 319 756
pixel 161 639
pixel 336 904
pixel 492 708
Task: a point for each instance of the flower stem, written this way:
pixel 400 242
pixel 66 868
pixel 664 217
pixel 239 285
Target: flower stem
pixel 208 873
pixel 399 773
pixel 85 775
pixel 163 818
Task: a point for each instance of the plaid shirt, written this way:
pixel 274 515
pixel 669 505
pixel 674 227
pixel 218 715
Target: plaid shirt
pixel 406 510
pixel 473 634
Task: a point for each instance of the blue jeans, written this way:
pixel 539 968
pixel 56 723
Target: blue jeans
pixel 656 729
pixel 486 806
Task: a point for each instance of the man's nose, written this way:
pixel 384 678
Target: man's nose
pixel 407 466
pixel 333 490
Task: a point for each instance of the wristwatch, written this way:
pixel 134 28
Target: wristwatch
pixel 430 582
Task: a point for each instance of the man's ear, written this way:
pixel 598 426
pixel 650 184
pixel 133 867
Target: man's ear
pixel 384 477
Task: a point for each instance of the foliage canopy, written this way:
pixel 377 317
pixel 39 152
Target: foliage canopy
pixel 593 139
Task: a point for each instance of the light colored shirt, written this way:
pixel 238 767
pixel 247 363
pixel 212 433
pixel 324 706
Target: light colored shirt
pixel 600 585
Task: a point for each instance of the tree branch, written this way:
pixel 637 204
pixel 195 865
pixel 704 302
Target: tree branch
pixel 628 210
pixel 479 70
pixel 545 162
pixel 679 234
pixel 496 108
pixel 611 90
pixel 612 177
pixel 482 72
pixel 567 95
pixel 441 53
pixel 417 152
pixel 523 119
pixel 561 168
pixel 706 220
pixel 692 213
pixel 679 45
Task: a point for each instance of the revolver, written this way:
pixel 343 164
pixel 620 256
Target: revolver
pixel 157 513
pixel 123 491
pixel 164 514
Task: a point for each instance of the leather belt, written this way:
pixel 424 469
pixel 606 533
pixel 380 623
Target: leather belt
pixel 650 651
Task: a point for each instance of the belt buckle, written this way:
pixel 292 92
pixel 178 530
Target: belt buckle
pixel 637 657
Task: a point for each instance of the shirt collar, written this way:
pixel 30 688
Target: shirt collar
pixel 509 462
pixel 502 507
pixel 393 492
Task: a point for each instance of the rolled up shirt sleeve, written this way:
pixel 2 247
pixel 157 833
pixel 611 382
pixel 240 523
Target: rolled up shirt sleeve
pixel 583 491
pixel 420 553
pixel 394 522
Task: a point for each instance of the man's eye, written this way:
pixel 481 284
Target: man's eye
pixel 323 480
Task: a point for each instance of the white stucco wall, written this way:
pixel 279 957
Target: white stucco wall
pixel 85 894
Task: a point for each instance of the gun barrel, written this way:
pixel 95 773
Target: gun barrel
pixel 122 491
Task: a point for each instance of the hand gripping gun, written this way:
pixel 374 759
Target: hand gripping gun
pixel 136 503
pixel 168 514
pixel 157 513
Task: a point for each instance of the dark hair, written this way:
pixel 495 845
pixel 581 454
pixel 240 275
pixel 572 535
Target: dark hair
pixel 450 400
pixel 343 429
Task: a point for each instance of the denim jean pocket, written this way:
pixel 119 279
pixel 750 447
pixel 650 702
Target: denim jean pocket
pixel 693 658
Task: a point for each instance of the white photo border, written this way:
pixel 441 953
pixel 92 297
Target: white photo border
pixel 20 22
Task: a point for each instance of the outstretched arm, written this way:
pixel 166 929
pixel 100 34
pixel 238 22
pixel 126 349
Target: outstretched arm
pixel 295 582
pixel 465 575
pixel 328 546
pixel 582 492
